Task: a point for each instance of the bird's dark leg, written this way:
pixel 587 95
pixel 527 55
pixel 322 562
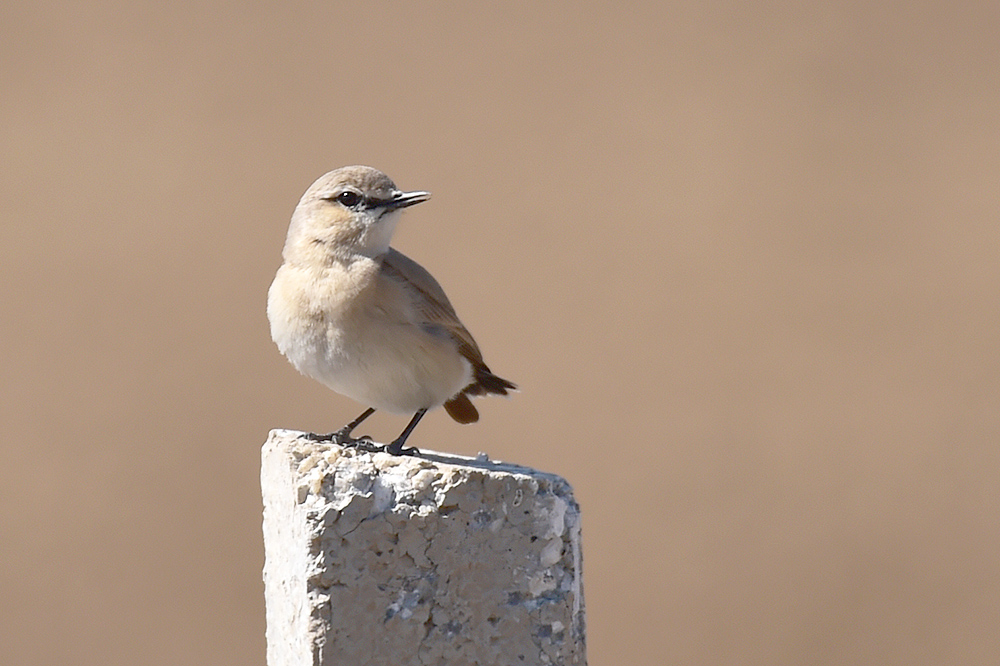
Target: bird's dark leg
pixel 396 448
pixel 345 432
pixel 343 436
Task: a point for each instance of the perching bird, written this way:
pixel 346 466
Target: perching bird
pixel 365 320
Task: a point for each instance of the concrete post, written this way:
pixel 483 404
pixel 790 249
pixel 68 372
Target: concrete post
pixel 379 559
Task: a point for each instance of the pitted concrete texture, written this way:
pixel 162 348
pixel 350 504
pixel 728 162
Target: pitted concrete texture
pixel 431 560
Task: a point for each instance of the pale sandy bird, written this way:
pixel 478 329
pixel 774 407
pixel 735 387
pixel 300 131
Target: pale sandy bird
pixel 365 320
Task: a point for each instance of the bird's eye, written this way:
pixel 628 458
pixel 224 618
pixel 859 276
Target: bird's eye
pixel 348 198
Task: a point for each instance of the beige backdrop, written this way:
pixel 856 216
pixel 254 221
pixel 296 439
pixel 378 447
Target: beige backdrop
pixel 741 257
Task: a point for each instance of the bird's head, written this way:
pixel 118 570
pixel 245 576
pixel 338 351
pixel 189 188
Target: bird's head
pixel 348 212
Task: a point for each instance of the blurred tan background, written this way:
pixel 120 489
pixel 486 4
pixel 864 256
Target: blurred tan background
pixel 742 259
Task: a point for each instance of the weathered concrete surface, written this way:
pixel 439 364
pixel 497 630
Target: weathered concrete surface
pixel 379 559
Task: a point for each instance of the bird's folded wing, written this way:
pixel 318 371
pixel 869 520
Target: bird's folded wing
pixel 434 306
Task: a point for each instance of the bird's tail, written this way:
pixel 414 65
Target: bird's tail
pixel 461 408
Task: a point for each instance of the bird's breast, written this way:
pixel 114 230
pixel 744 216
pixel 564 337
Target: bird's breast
pixel 360 334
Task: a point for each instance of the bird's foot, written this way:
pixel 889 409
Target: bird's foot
pixel 396 449
pixel 363 443
pixel 343 438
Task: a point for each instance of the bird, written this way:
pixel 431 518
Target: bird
pixel 362 318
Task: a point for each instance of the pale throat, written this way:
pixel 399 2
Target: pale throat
pixel 374 240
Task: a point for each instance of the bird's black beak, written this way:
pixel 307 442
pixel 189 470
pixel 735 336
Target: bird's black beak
pixel 404 199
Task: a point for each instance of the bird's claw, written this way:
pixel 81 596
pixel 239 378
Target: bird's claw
pixel 395 450
pixel 365 443
pixel 343 438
